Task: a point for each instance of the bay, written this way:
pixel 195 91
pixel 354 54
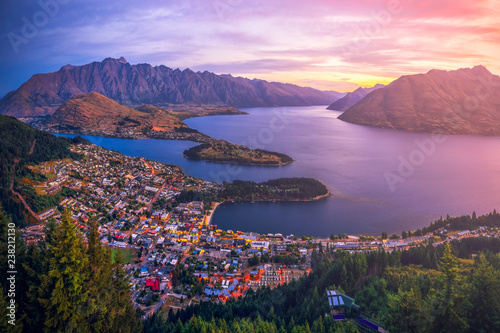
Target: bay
pixel 381 180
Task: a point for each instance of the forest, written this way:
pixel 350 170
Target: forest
pixel 64 284
pixel 281 189
pixel 22 145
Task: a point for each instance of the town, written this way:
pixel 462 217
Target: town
pixel 160 219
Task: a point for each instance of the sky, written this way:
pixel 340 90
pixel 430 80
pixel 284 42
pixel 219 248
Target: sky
pixel 324 44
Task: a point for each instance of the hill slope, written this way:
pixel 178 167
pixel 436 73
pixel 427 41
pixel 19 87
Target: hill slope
pixel 352 98
pixel 464 101
pixel 139 84
pixel 20 145
pixel 97 112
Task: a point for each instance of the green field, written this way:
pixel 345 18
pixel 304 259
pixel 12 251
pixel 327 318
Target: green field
pixel 126 253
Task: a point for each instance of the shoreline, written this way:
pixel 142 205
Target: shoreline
pixel 175 138
pixel 212 211
pixel 180 137
pixel 236 163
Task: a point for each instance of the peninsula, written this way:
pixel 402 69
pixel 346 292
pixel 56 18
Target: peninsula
pixel 98 115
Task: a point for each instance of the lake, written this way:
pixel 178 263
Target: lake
pixel 381 180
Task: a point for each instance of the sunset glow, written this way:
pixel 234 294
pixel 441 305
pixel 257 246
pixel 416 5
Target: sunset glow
pixel 330 45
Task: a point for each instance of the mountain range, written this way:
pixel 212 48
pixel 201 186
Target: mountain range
pixel 463 101
pixel 134 85
pixel 352 98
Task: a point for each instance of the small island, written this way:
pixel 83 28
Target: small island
pixel 281 189
pixel 225 152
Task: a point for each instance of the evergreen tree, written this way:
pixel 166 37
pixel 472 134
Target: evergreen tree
pixel 448 304
pixel 64 282
pixel 99 284
pixel 406 312
pixel 36 268
pixel 126 319
pixel 484 308
pixel 5 321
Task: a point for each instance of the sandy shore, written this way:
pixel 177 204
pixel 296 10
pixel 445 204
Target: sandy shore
pixel 209 220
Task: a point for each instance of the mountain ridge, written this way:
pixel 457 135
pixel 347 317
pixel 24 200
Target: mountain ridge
pixel 352 98
pixel 463 101
pixel 134 85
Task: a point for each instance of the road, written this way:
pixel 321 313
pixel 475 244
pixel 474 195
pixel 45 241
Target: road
pixel 14 166
pixel 156 197
pixel 149 165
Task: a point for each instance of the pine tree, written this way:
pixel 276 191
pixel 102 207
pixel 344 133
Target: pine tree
pixel 406 312
pixel 448 306
pixel 99 284
pixel 484 308
pixel 36 268
pixel 126 319
pixel 5 321
pixel 64 282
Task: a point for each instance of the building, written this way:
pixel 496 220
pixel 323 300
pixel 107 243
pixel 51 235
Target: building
pixel 144 271
pixel 281 248
pixel 154 283
pixel 260 244
pixel 46 214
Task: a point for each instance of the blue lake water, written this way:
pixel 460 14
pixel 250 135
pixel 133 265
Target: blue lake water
pixel 381 180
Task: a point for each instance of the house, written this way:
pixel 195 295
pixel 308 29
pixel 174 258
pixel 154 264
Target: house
pixel 144 271
pixel 134 237
pixel 260 244
pixel 154 283
pixel 347 245
pixel 46 214
pixel 226 242
pixel 239 242
pixel 281 248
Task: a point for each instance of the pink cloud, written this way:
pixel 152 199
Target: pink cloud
pixel 316 42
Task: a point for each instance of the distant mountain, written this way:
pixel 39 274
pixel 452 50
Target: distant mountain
pixel 139 84
pixel 463 101
pixel 97 112
pixel 352 98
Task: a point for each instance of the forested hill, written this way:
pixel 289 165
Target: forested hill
pixel 20 145
pixel 281 189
